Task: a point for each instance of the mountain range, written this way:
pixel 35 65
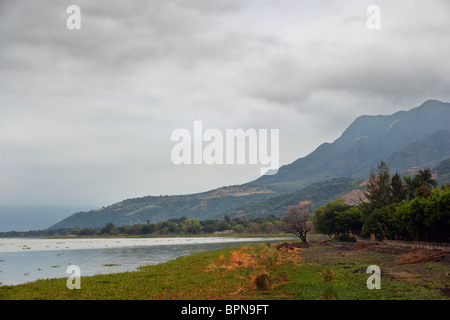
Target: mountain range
pixel 419 137
pixel 369 139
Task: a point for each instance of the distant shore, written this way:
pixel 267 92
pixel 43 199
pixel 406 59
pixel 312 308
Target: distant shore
pixel 69 243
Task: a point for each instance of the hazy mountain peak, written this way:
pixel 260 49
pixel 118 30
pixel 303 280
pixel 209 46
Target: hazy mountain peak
pixel 368 140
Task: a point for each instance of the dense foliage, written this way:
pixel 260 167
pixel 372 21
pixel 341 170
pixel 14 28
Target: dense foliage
pixel 414 210
pixel 338 218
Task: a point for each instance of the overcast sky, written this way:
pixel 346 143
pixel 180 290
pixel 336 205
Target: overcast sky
pixel 86 115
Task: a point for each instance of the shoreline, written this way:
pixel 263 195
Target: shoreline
pixel 217 275
pixel 45 244
pixel 123 236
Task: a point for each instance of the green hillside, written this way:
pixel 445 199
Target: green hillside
pixel 319 194
pixel 443 172
pixel 161 208
pixel 425 153
pixel 255 201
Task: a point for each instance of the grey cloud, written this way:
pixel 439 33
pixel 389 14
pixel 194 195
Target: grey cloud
pixel 93 109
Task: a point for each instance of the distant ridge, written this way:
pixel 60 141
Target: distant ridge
pixel 424 153
pixel 368 140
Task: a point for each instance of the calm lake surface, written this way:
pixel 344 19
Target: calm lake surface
pixel 25 260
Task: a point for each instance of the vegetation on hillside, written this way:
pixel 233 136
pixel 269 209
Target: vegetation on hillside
pixel 318 193
pixel 206 205
pixel 443 171
pixel 412 209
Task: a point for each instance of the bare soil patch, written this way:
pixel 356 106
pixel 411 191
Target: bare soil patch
pixel 420 256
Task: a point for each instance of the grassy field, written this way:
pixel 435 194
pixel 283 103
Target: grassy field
pixel 258 272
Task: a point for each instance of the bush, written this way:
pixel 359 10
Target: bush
pixel 263 282
pixel 329 292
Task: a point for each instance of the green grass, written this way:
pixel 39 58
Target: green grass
pixel 306 282
pixel 215 275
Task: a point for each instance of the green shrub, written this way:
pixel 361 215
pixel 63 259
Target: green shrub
pixel 263 282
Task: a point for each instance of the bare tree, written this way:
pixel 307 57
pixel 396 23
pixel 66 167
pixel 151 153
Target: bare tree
pixel 298 219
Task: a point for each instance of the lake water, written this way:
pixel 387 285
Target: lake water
pixel 25 260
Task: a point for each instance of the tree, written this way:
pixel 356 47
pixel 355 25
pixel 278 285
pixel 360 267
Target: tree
pixel 437 215
pixel 223 225
pixel 326 217
pixel 379 190
pixel 268 227
pixel 148 228
pixel 122 229
pixel 425 178
pixel 398 189
pixel 381 222
pixel 420 185
pixel 135 229
pixel 195 226
pixel 238 228
pixel 192 226
pixel 411 185
pixel 298 219
pixel 349 221
pixel 109 228
pixel 425 182
pixel 427 218
pixel 253 227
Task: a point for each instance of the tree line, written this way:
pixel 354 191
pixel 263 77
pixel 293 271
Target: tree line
pixel 186 226
pixel 176 226
pixel 408 208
